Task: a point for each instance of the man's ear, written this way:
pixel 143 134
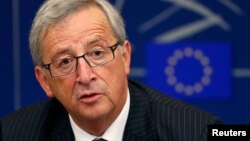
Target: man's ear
pixel 41 78
pixel 127 56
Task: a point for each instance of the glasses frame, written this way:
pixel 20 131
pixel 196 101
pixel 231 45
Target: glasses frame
pixel 112 48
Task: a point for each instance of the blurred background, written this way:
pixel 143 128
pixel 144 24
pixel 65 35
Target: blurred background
pixel 197 51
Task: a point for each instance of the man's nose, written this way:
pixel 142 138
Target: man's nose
pixel 84 71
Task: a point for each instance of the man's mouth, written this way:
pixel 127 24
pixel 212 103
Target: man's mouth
pixel 90 98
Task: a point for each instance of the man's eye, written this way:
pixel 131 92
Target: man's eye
pixel 97 54
pixel 65 62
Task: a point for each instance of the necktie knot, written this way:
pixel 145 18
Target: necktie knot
pixel 99 139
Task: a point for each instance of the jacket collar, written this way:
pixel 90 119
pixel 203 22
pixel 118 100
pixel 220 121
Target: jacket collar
pixel 58 125
pixel 139 124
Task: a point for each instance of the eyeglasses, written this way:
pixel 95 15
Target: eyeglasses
pixel 98 56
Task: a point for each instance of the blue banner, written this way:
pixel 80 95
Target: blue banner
pixel 190 71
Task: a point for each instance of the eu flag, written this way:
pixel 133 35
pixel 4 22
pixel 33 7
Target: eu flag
pixel 190 70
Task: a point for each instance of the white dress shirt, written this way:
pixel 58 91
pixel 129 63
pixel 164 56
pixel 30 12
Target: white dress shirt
pixel 113 133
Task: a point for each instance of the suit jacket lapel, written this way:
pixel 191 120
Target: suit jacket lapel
pixel 139 124
pixel 62 131
pixel 59 128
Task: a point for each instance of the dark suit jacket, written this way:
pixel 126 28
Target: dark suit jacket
pixel 152 117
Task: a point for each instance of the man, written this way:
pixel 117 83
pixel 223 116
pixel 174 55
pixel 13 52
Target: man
pixel 82 60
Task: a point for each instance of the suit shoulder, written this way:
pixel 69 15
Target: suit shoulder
pixel 173 119
pixel 27 112
pixel 25 121
pixel 169 105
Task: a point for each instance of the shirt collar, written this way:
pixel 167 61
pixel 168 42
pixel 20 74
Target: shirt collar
pixel 113 133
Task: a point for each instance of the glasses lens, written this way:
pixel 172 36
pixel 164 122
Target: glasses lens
pixel 96 57
pixel 63 66
pixel 99 57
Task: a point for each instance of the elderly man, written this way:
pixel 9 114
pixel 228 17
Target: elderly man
pixel 82 60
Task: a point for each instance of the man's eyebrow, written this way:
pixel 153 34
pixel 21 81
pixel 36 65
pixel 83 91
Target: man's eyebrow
pixel 61 51
pixel 67 49
pixel 96 40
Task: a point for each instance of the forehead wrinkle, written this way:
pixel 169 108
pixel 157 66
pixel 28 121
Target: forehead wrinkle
pixel 97 30
pixel 99 25
pixel 98 33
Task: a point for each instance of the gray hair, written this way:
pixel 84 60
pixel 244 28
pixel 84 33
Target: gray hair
pixel 54 11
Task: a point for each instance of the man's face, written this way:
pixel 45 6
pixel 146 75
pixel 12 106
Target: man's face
pixel 91 93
